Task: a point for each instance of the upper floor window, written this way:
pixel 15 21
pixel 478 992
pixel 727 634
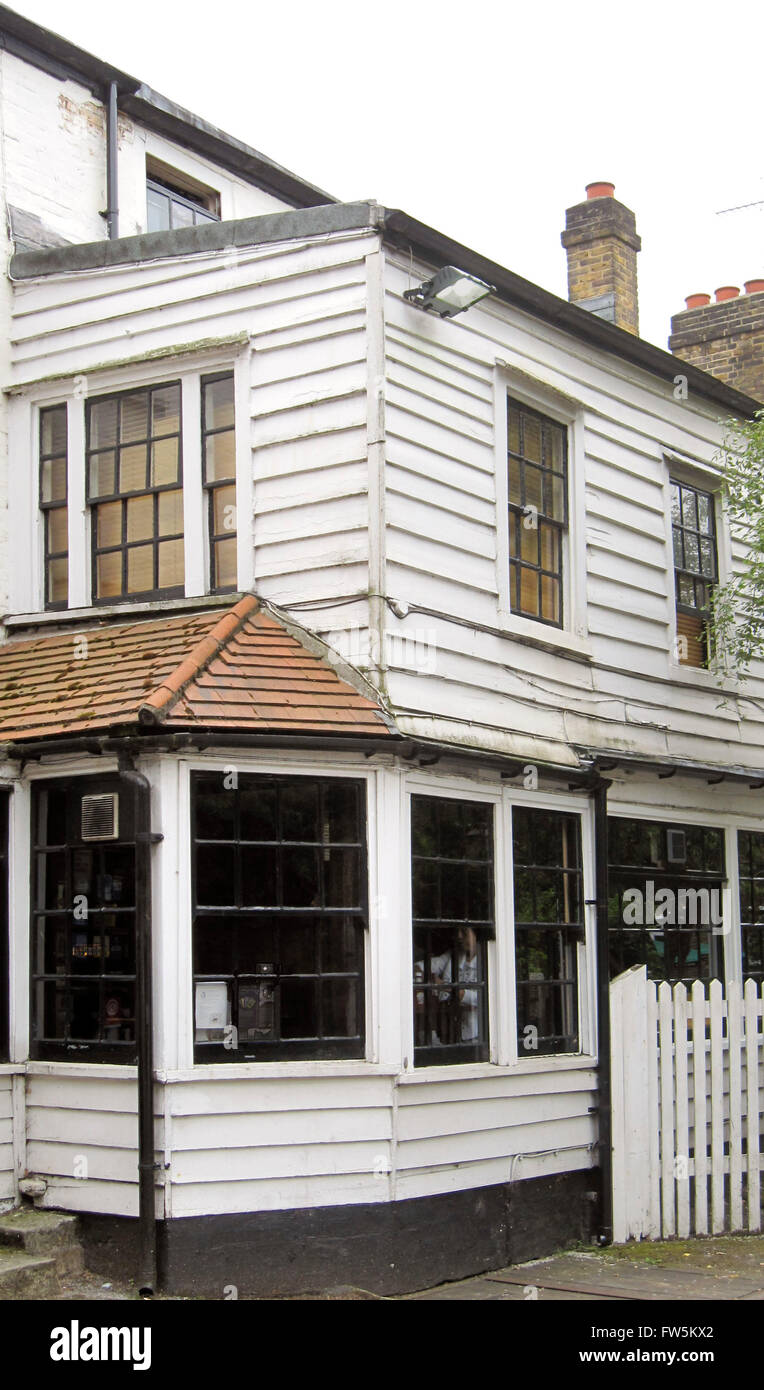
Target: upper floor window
pixel 53 503
pixel 538 513
pixel 152 471
pixel 695 568
pixel 219 474
pixel 169 207
pixel 135 491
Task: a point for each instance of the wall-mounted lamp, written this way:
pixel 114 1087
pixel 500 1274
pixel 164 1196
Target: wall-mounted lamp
pixel 449 292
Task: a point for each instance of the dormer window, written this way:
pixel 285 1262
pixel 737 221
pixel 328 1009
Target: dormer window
pixel 174 201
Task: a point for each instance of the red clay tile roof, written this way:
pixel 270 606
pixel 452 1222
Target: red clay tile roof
pixel 241 670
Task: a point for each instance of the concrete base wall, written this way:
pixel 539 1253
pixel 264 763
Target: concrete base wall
pixel 385 1248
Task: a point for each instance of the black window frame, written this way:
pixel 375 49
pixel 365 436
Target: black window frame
pixel 437 997
pixel 5 979
pixel 93 501
pixel 267 976
pixel 702 580
pixel 518 513
pixel 176 197
pixel 62 919
pixel 751 891
pixel 53 504
pixel 212 486
pixel 560 935
pixel 629 945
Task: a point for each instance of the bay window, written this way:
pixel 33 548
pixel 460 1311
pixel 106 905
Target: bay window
pixel 83 921
pixel 453 918
pixel 549 924
pixel 279 916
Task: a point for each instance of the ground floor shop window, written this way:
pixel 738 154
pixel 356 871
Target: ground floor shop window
pixel 279 916
pixel 453 916
pixel 665 899
pixel 750 845
pixel 83 921
pixel 549 924
pixel 4 953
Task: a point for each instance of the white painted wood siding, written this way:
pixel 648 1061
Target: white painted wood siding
pixel 303 306
pixel 619 687
pixel 7 1185
pixel 87 1124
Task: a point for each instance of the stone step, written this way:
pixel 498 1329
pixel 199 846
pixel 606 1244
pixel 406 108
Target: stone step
pixel 50 1234
pixel 25 1276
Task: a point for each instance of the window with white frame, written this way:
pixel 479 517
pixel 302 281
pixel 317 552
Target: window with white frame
pixel 452 870
pixel 537 464
pixel 279 916
pixel 133 460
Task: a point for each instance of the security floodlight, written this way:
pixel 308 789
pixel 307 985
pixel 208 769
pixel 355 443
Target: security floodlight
pixel 449 292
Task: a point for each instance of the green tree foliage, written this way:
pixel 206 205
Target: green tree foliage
pixel 736 625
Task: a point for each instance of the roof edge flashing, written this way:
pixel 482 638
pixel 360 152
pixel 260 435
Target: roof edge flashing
pixel 295 224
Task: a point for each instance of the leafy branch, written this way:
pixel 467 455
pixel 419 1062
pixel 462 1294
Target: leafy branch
pixel 736 620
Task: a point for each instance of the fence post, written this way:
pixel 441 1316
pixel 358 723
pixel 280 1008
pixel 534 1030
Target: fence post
pixel 629 1043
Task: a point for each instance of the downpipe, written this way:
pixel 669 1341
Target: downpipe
pixel 141 787
pixel 605 1103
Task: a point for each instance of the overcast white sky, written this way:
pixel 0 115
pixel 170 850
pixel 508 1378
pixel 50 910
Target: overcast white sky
pixel 485 120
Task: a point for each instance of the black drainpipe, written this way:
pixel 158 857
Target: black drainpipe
pixel 147 1272
pixel 112 187
pixel 604 1108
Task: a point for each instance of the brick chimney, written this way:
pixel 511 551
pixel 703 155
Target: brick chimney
pixel 601 240
pixel 725 338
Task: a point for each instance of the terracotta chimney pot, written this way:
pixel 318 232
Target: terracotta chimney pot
pixel 754 286
pixel 600 190
pixel 727 292
pixel 697 301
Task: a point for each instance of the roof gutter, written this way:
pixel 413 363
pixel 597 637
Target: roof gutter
pixel 411 236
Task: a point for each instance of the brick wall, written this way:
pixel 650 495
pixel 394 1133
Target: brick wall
pixel 726 339
pixel 601 240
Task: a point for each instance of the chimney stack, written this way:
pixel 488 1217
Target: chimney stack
pixel 601 240
pixel 725 338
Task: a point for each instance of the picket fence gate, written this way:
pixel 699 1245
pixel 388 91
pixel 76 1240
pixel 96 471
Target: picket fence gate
pixel 687 1089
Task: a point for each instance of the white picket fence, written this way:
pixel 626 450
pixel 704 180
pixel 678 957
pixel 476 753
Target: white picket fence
pixel 687 1090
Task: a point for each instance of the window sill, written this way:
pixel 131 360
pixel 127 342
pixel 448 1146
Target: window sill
pixel 552 639
pixel 698 676
pixel 51 617
pixel 526 1066
pixel 261 1071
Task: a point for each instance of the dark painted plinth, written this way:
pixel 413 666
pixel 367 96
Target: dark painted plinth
pixel 385 1248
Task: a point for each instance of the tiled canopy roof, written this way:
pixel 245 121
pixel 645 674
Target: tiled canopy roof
pixel 241 670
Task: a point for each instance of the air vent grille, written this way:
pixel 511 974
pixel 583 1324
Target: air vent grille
pixel 100 817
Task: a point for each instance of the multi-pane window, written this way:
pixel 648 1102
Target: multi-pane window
pixel 83 922
pixel 169 208
pixel 4 943
pixel 665 899
pixel 219 472
pixel 53 504
pixel 453 917
pixel 750 845
pixel 134 487
pixel 280 910
pixel 695 568
pixel 549 924
pixel 538 513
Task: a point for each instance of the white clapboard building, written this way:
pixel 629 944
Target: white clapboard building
pixel 351 628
